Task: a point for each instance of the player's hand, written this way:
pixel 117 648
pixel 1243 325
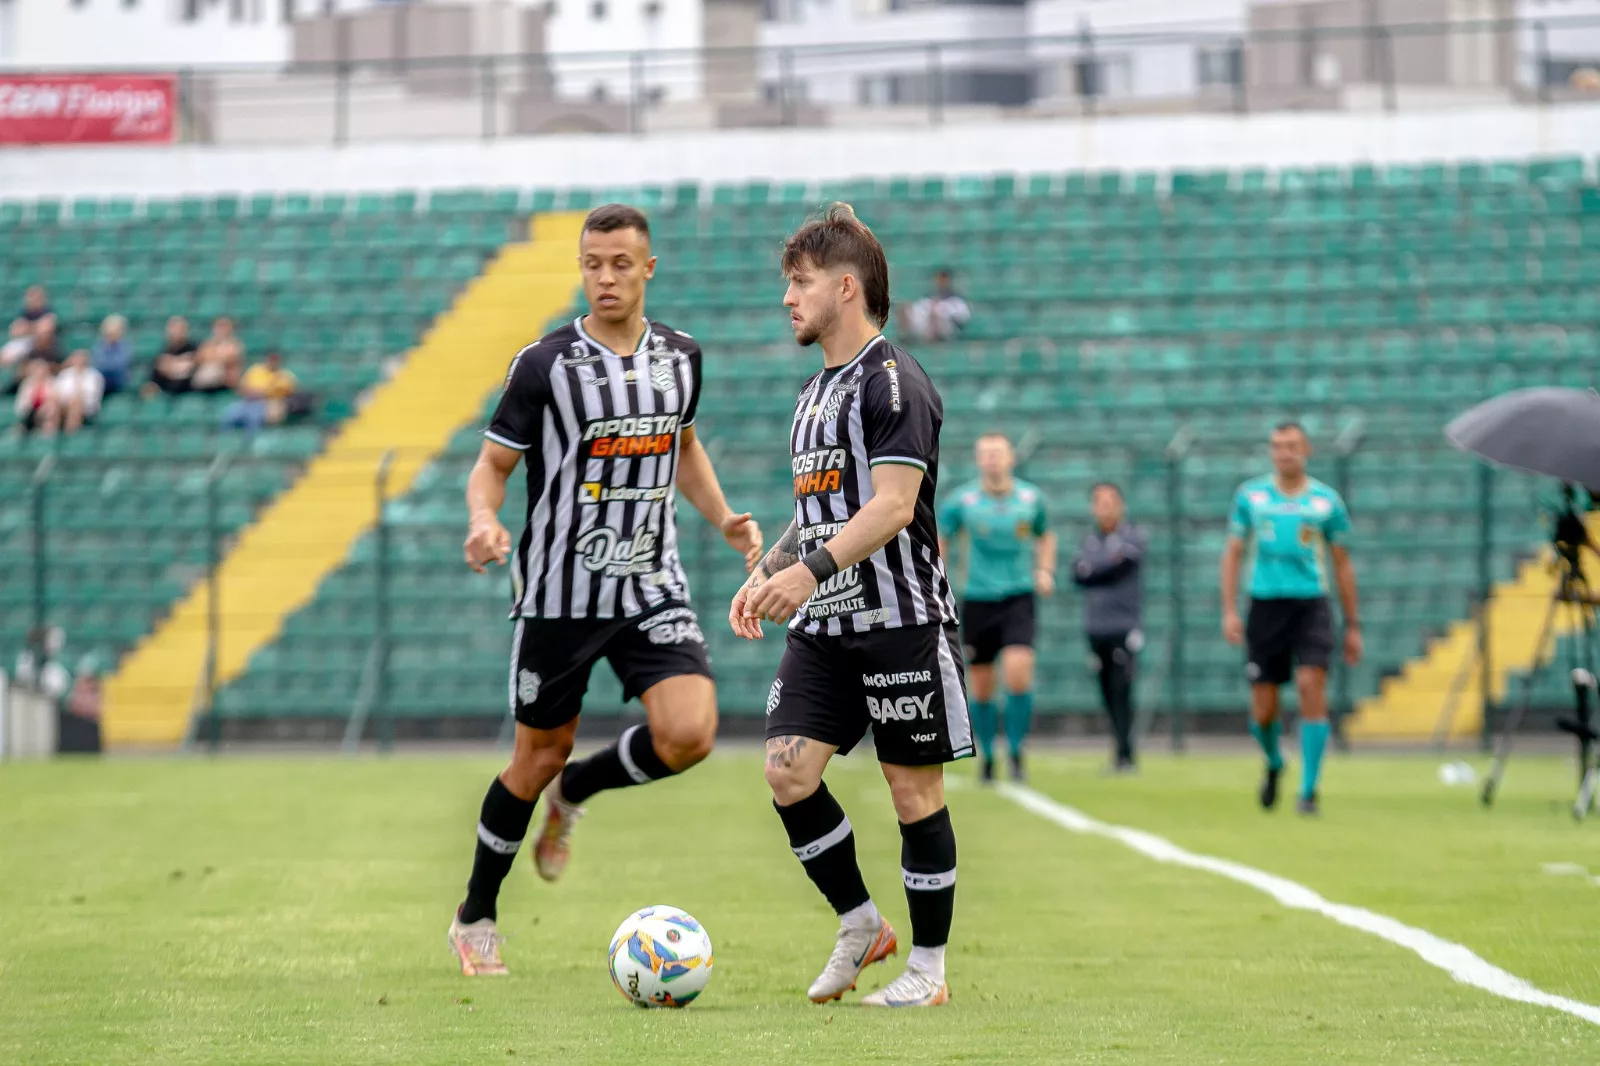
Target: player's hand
pixel 1044 583
pixel 1352 646
pixel 740 620
pixel 1233 628
pixel 487 542
pixel 743 535
pixel 781 595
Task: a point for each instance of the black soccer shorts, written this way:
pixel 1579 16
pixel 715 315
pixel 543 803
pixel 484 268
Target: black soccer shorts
pixel 1281 634
pixel 989 625
pixel 906 683
pixel 551 659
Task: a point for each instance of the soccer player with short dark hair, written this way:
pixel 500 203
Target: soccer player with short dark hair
pixel 601 414
pixel 872 637
pixel 1297 529
pixel 1011 558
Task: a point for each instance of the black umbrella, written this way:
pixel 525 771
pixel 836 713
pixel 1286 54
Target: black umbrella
pixel 1548 431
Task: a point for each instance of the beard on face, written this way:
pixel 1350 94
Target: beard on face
pixel 815 327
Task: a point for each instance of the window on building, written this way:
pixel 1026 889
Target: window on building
pixel 1108 76
pixel 191 10
pixel 597 10
pixel 1219 66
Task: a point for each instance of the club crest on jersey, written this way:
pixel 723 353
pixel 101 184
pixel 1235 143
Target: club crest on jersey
pixel 830 410
pixel 663 375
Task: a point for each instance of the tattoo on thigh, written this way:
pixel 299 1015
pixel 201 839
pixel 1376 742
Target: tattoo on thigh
pixel 783 752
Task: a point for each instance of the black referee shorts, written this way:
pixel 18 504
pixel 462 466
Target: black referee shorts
pixel 1281 634
pixel 551 659
pixel 905 683
pixel 989 625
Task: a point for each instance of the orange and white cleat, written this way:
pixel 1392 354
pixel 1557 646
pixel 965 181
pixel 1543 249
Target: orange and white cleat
pixel 554 846
pixel 478 947
pixel 855 951
pixel 914 988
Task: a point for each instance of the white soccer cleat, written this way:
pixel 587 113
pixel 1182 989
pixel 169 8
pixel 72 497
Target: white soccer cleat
pixel 554 846
pixel 477 947
pixel 911 989
pixel 855 951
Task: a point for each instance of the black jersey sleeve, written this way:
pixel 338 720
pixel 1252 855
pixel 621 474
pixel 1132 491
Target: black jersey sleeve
pixel 693 407
pixel 900 415
pixel 527 393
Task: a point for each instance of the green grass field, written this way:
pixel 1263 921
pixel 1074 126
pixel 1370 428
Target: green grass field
pixel 292 910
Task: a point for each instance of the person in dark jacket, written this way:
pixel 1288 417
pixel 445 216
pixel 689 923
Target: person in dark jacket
pixel 1108 569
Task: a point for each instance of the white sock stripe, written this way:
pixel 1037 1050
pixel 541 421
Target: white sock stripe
pixel 827 840
pixel 1454 959
pixel 497 844
pixel 923 882
pixel 623 743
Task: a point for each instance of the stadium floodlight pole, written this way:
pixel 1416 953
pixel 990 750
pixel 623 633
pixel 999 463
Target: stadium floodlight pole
pixel 380 629
pixel 214 475
pixel 1177 450
pixel 38 640
pixel 1345 446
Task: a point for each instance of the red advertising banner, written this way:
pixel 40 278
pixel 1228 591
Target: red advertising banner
pixel 86 108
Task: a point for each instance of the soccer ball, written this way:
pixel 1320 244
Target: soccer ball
pixel 660 957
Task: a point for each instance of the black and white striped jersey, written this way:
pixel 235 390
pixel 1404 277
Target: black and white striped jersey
pixel 878 408
pixel 599 437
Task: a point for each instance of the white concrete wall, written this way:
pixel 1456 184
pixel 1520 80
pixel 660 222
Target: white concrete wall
pixel 43 34
pixel 1143 142
pixel 627 28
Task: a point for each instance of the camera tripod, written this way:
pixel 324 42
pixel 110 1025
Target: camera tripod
pixel 1569 539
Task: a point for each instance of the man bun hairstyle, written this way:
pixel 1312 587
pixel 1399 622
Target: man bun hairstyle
pixel 835 239
pixel 608 218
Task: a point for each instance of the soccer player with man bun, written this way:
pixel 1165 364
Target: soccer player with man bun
pixel 601 414
pixel 872 639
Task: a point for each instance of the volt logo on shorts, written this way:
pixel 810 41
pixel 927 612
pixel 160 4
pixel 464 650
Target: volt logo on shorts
pixel 901 708
pixel 818 471
pixel 907 677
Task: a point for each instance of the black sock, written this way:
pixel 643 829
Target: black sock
pixel 632 760
pixel 502 824
pixel 928 864
pixel 821 838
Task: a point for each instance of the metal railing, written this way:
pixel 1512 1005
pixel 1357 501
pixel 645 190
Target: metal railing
pixel 53 545
pixel 1388 66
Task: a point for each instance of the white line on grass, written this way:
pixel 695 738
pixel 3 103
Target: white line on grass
pixel 1454 959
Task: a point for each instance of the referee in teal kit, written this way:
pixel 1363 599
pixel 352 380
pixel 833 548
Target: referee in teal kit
pixel 1296 528
pixel 1011 557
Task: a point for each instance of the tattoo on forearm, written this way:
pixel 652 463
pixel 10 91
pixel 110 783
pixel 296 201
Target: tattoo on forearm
pixel 785 553
pixel 783 752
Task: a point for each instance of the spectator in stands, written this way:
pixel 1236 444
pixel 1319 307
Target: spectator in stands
pixel 47 342
pixel 35 304
pixel 219 360
pixel 265 393
pixel 35 404
pixel 174 365
pixel 14 355
pixel 79 388
pixel 112 355
pixel 938 317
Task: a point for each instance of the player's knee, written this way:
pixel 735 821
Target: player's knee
pixel 1309 688
pixel 790 784
pixel 683 744
pixel 533 767
pixel 914 798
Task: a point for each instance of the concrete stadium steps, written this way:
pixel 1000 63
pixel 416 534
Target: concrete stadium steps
pixel 276 564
